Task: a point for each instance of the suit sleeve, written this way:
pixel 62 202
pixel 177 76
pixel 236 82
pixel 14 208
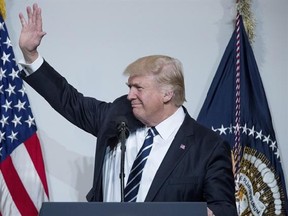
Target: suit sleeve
pixel 219 187
pixel 84 112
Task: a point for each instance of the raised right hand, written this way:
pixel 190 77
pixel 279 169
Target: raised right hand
pixel 31 33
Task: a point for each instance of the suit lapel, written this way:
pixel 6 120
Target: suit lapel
pixel 179 147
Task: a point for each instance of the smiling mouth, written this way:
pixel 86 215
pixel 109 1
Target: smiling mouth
pixel 134 105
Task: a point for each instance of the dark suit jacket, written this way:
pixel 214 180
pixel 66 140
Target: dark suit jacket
pixel 197 166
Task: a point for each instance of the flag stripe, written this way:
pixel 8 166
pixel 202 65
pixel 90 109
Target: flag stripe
pixel 34 149
pixel 7 206
pixel 28 175
pixel 17 190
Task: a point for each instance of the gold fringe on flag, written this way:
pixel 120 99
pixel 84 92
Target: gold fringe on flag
pixel 2 9
pixel 244 9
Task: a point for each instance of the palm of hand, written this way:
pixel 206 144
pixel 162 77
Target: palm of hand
pixel 30 37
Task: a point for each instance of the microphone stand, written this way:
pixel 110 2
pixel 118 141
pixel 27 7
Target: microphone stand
pixel 122 128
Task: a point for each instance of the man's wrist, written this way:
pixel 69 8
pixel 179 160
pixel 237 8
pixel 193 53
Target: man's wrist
pixel 29 56
pixel 30 68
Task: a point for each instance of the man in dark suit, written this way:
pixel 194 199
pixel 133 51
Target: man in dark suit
pixel 187 162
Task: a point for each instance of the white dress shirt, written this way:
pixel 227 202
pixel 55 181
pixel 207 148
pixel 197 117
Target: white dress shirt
pixel 161 143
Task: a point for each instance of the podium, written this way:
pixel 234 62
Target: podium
pixel 123 209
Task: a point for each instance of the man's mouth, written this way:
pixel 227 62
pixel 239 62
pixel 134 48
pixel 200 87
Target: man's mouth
pixel 134 105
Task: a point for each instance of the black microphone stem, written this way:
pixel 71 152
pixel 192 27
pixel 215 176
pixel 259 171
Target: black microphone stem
pixel 123 149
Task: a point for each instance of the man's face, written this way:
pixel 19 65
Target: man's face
pixel 146 99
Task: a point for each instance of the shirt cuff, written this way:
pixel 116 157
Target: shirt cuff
pixel 31 68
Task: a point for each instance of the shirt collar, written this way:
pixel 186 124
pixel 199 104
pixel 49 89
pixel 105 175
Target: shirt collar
pixel 172 123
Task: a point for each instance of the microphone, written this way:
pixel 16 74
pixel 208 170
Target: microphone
pixel 123 133
pixel 122 127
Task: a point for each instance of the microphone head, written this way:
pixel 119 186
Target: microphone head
pixel 122 126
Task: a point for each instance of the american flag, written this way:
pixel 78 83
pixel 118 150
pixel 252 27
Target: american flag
pixel 23 185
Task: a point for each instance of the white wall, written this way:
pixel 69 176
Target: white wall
pixel 90 42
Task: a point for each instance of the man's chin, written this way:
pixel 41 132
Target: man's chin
pixel 136 113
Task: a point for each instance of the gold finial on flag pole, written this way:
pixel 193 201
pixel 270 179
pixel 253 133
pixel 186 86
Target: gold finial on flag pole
pixel 244 9
pixel 2 9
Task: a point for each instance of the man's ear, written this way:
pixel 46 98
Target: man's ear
pixel 168 96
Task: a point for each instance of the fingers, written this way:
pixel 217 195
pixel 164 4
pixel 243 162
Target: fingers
pixel 34 17
pixel 33 13
pixel 22 20
pixel 38 19
pixel 29 14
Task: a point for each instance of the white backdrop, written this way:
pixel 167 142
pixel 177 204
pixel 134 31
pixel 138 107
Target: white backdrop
pixel 90 42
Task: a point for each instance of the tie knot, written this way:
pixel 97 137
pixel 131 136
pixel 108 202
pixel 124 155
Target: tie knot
pixel 153 132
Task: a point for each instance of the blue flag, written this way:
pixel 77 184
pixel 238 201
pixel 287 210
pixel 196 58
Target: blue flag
pixel 236 107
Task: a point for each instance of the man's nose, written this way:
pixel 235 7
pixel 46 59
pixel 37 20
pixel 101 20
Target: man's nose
pixel 131 94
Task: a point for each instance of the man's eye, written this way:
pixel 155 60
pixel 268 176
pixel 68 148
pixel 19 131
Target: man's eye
pixel 139 88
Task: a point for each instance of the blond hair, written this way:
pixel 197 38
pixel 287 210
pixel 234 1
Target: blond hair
pixel 168 73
